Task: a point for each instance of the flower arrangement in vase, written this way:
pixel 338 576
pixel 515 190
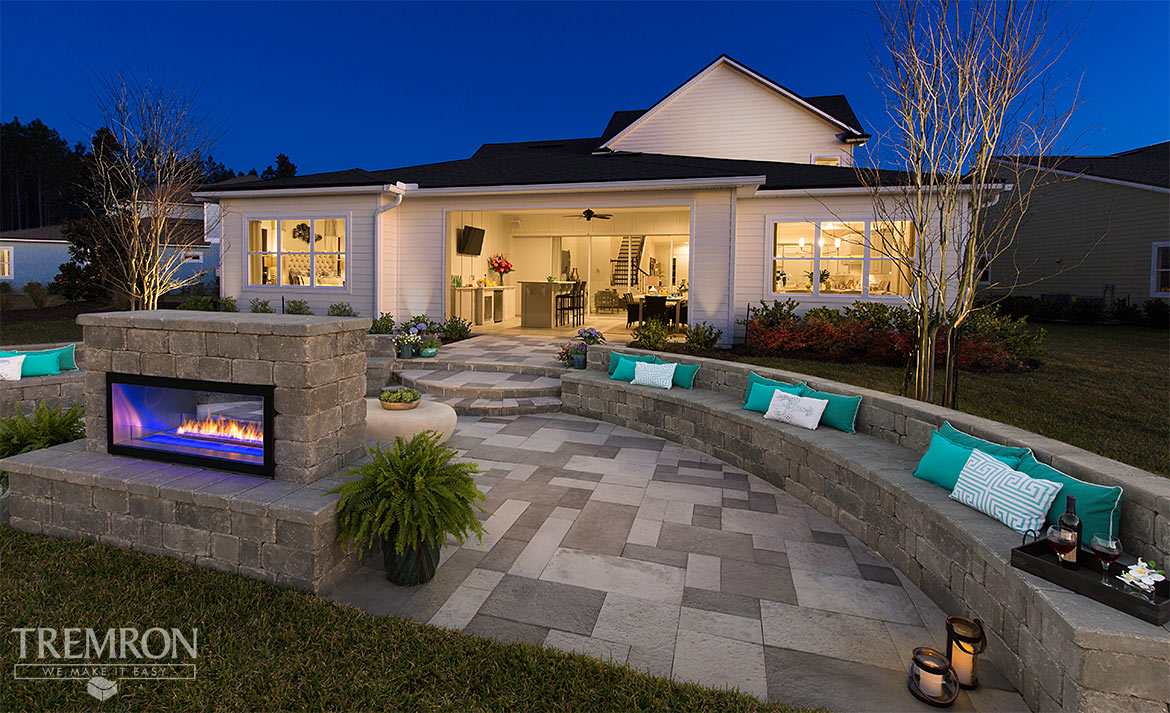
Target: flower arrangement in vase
pixel 500 265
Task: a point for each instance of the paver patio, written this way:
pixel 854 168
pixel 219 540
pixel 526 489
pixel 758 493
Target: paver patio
pixel 604 541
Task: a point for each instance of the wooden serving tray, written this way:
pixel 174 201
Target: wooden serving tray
pixel 1038 558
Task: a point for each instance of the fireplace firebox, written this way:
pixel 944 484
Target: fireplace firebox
pixel 205 423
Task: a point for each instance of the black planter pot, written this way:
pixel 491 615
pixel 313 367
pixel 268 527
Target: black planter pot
pixel 413 566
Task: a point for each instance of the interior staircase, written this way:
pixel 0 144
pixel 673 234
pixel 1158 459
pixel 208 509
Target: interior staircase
pixel 626 265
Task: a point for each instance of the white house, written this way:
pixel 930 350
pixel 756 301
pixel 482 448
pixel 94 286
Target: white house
pixel 728 190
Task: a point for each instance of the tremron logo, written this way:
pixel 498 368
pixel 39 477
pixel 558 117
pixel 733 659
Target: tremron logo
pixel 102 658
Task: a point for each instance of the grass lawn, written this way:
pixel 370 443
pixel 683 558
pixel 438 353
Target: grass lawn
pixel 39 332
pixel 266 648
pixel 1100 388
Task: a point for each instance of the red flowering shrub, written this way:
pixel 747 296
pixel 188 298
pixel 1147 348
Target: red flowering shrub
pixel 881 334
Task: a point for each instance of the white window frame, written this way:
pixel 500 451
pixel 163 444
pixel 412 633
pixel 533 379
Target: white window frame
pixel 836 157
pixel 983 279
pixel 815 292
pixel 11 254
pixel 1154 269
pixel 195 256
pixel 313 287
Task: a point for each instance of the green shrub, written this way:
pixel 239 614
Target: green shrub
pixel 414 493
pixel 1021 340
pixel 429 325
pixel 48 426
pixel 1087 310
pixel 207 303
pixel 5 296
pixel 297 307
pixel 341 309
pixel 400 395
pixel 702 337
pixel 778 314
pixel 260 306
pixel 383 324
pixel 879 315
pixel 1157 313
pixel 455 329
pixel 822 315
pixel 36 292
pixel 652 334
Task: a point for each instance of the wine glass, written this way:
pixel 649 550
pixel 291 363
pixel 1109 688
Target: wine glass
pixel 1062 542
pixel 1107 549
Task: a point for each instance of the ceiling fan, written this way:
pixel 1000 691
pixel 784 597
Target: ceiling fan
pixel 588 215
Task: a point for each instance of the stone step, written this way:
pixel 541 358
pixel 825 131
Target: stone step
pixel 501 407
pixel 478 384
pixel 438 363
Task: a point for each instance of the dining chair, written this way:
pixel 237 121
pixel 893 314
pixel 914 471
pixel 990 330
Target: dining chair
pixel 656 308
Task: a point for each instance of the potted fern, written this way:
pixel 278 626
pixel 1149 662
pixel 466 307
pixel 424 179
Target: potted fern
pixel 411 497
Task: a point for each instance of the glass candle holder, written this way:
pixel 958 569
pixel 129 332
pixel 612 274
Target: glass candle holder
pixel 931 679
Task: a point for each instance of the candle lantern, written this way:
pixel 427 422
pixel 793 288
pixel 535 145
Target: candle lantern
pixel 965 641
pixel 931 679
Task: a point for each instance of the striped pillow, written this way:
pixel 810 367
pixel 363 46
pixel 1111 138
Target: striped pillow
pixel 1009 496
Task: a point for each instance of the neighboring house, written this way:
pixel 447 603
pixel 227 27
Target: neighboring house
pixel 731 186
pixel 36 254
pixel 32 255
pixel 1098 227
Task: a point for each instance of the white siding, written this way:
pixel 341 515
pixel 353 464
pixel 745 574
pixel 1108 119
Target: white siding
pixel 726 114
pixel 359 213
pixel 711 259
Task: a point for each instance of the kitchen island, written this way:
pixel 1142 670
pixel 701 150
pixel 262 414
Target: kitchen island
pixel 538 302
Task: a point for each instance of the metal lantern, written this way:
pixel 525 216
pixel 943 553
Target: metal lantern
pixel 965 641
pixel 931 679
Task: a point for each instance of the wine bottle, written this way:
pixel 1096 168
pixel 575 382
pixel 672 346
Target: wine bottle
pixel 1068 520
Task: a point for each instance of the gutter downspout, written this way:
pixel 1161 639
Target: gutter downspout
pixel 399 191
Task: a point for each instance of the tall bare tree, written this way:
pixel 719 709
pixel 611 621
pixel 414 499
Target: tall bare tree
pixel 147 158
pixel 964 82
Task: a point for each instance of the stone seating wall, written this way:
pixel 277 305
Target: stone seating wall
pixel 64 390
pixel 1062 651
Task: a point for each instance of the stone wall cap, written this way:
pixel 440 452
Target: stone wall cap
pixel 294 325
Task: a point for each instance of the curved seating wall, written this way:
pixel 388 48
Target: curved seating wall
pixel 1062 651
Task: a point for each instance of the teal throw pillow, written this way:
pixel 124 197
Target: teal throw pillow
pixel 841 413
pixel 40 364
pixel 754 378
pixel 966 440
pixel 615 357
pixel 760 397
pixel 64 356
pixel 944 460
pixel 684 374
pixel 1098 506
pixel 624 371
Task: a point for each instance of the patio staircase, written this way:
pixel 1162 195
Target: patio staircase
pixel 629 259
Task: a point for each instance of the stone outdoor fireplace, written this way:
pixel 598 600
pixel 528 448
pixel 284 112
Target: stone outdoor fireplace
pixel 210 437
pixel 271 395
pixel 208 423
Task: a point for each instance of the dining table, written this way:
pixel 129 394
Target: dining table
pixel 675 302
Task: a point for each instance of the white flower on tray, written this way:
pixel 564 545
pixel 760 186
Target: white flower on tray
pixel 1142 575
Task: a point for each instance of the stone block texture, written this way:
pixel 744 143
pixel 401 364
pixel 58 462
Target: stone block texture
pixel 1060 650
pixel 316 364
pixel 283 533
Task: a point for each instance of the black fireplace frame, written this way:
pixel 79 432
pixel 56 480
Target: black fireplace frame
pixel 267 469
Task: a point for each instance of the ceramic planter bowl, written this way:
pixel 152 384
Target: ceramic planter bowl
pixel 429 352
pixel 390 406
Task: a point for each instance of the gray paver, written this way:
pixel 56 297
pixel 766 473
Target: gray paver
pixel 547 604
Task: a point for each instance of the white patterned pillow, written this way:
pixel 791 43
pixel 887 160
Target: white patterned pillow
pixel 658 376
pixel 1013 498
pixel 10 368
pixel 797 410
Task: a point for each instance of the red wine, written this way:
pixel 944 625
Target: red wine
pixel 1107 555
pixel 1062 547
pixel 1069 521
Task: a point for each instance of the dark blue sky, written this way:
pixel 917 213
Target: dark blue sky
pixel 377 85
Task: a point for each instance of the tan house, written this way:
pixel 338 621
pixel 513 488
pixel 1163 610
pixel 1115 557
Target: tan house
pixel 1098 227
pixel 728 190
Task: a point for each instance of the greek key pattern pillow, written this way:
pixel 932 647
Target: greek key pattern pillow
pixel 657 376
pixel 1013 498
pixel 797 410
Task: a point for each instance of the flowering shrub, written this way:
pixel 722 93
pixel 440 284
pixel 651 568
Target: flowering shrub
pixel 568 349
pixel 589 335
pixel 884 334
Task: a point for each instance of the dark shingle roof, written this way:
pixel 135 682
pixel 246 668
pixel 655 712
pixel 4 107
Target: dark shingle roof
pixel 45 232
pixel 1148 165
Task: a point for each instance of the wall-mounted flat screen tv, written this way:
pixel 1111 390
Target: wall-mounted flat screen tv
pixel 470 241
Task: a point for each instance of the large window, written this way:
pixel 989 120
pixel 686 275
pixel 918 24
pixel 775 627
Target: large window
pixel 1160 270
pixel 5 263
pixel 849 258
pixel 297 252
